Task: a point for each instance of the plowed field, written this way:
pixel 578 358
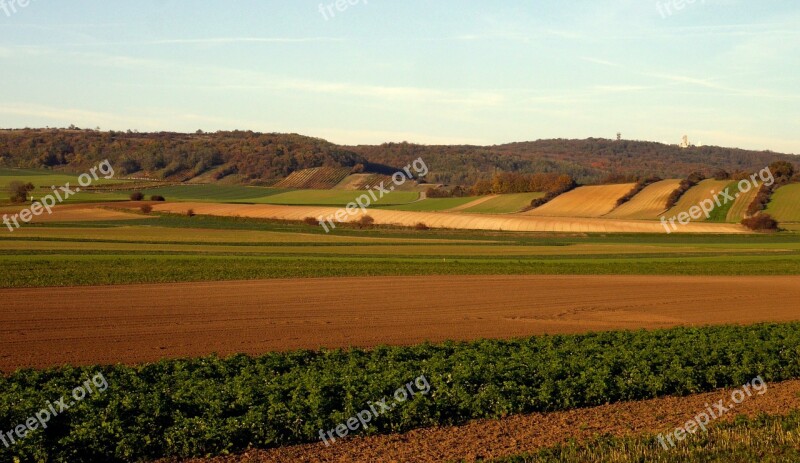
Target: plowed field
pixel 42 327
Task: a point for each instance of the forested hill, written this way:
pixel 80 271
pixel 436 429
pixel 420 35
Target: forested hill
pixel 589 161
pixel 244 156
pixel 251 157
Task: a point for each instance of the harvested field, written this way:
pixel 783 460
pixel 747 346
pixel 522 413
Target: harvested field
pixel 586 201
pixel 515 222
pixel 142 323
pixel 648 204
pixel 79 213
pixel 698 193
pixel 490 439
pixel 504 204
pixel 740 205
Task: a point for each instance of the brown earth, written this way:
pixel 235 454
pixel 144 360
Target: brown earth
pixel 451 220
pixel 41 327
pixel 527 433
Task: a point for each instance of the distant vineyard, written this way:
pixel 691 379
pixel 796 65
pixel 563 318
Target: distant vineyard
pixel 319 178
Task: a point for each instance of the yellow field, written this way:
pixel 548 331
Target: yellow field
pixel 463 221
pixel 743 201
pixel 587 201
pixel 650 203
pixel 700 192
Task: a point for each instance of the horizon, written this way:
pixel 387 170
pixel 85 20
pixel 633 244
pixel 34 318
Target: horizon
pixel 135 131
pixel 432 74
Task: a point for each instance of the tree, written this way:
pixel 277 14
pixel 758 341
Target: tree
pixel 137 196
pixel 19 191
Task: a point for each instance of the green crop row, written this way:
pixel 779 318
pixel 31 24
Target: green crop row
pixel 212 406
pixel 39 269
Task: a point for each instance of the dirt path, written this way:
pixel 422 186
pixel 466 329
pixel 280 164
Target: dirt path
pixel 41 327
pixel 525 433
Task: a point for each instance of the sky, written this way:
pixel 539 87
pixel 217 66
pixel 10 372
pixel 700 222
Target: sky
pixel 723 72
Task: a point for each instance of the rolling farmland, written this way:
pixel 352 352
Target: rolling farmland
pixel 785 204
pixel 587 201
pixel 503 204
pixel 315 178
pixel 698 193
pixel 648 204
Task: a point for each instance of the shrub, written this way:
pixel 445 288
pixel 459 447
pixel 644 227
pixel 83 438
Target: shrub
pixel 420 226
pixel 137 196
pixel 760 222
pixel 190 213
pixel 146 208
pixel 365 221
pixel 157 198
pixel 686 185
pixel 311 221
pixel 19 191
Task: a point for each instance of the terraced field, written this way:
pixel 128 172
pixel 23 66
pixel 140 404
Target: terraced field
pixel 587 201
pixel 785 204
pixel 648 204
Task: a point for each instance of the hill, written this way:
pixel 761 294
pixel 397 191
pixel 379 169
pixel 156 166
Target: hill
pixel 246 157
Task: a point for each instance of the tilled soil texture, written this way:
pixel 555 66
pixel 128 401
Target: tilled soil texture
pixel 43 327
pixel 527 433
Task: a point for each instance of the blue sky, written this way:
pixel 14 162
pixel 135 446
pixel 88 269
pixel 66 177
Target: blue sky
pixel 724 72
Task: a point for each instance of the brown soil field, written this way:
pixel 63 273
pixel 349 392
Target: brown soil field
pixel 42 327
pixel 490 439
pixel 586 201
pixel 451 220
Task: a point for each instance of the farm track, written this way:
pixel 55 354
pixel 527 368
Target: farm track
pixel 526 433
pixel 44 327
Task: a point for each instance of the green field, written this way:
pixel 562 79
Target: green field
pixel 785 204
pixel 336 197
pixel 213 193
pixel 43 180
pixel 177 248
pixel 505 204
